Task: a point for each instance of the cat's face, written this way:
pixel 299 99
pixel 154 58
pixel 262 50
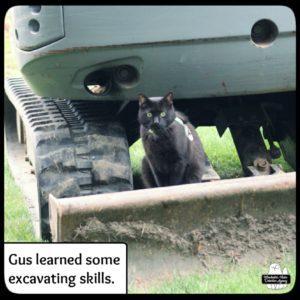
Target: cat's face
pixel 156 113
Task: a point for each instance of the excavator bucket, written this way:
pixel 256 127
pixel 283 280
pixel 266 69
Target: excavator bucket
pixel 184 228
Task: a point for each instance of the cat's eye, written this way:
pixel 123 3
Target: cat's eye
pixel 162 114
pixel 149 114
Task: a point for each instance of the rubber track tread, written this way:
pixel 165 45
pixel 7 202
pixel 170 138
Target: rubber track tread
pixel 79 148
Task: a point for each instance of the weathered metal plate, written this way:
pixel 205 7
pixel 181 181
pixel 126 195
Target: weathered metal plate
pixel 181 207
pixel 166 228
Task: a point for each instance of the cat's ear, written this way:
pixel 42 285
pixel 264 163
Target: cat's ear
pixel 142 99
pixel 169 98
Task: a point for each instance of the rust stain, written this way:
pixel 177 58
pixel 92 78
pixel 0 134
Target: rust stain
pixel 144 44
pixel 157 43
pixel 65 51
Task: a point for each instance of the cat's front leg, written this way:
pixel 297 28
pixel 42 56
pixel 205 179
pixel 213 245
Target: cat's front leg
pixel 152 177
pixel 177 173
pixel 147 175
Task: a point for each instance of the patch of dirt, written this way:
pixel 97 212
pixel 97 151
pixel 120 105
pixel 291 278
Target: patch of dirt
pixel 231 238
pixel 96 231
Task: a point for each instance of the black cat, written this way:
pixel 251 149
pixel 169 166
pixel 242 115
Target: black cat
pixel 174 153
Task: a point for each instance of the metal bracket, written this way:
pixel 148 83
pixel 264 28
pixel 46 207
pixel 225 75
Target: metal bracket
pixel 273 169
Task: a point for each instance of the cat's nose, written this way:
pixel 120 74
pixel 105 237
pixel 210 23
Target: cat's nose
pixel 156 121
pixel 155 124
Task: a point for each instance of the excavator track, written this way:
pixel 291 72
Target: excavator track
pixel 75 148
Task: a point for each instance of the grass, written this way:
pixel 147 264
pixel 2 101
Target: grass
pixel 17 221
pixel 233 280
pixel 221 152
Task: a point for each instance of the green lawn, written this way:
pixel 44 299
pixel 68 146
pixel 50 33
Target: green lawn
pixel 234 279
pixel 17 222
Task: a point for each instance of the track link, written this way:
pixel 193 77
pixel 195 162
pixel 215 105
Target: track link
pixel 75 147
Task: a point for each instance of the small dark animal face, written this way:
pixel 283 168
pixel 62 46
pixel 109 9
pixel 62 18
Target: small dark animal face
pixel 156 113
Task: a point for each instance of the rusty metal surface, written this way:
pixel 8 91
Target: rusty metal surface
pixel 187 228
pixel 179 208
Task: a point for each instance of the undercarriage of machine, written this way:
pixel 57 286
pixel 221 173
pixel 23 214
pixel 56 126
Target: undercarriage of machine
pixel 77 148
pixel 71 159
pixel 250 119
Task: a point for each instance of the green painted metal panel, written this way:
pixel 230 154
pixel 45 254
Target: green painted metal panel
pixel 195 51
pixel 37 26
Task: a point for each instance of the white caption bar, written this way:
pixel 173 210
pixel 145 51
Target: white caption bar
pixel 66 268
